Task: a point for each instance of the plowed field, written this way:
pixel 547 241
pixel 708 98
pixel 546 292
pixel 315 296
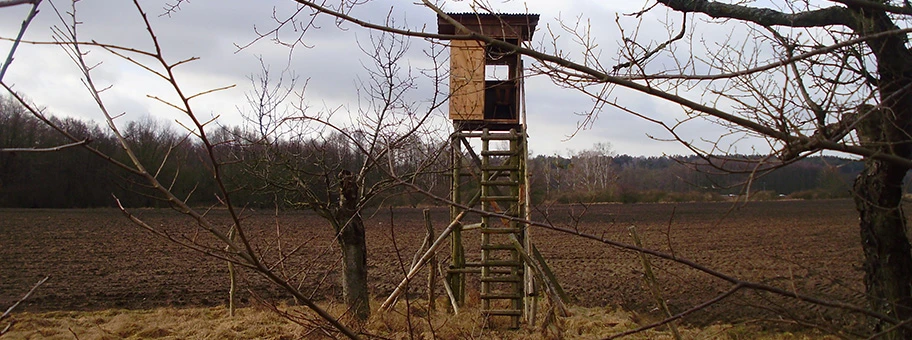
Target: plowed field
pixel 97 259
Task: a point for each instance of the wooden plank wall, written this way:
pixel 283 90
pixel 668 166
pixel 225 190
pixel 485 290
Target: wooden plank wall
pixel 467 80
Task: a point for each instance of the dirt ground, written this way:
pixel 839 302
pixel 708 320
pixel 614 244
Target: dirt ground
pixel 97 259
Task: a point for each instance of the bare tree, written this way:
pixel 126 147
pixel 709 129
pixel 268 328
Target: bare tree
pixel 834 69
pixel 340 169
pixel 227 242
pixel 591 168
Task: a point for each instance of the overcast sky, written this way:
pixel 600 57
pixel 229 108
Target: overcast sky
pixel 333 63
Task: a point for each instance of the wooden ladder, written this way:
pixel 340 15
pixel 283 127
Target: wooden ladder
pixel 502 181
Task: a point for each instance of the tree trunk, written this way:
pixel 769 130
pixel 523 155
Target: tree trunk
pixel 350 229
pixel 878 189
pixel 878 198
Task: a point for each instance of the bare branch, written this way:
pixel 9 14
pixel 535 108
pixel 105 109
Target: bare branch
pixel 10 3
pixel 883 6
pixel 9 310
pixel 25 24
pixel 659 48
pixel 385 28
pixel 787 61
pixel 52 149
pixel 211 91
pixel 37 114
pixel 680 315
pixel 764 16
pixel 84 43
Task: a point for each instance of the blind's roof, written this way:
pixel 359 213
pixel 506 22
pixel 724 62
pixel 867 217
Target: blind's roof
pixel 498 26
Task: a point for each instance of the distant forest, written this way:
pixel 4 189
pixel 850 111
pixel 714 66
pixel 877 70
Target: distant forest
pixel 593 176
pixel 76 178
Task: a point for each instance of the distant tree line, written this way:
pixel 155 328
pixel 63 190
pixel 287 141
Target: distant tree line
pixel 75 178
pixel 597 175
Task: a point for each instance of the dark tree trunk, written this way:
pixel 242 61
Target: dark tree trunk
pixel 878 198
pixel 887 260
pixel 350 229
pixel 886 128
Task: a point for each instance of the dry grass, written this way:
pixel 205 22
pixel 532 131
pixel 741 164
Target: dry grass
pixel 163 323
pixel 264 323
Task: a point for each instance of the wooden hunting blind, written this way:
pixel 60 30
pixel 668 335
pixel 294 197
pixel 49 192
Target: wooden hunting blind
pixel 487 107
pixel 485 81
pixel 487 110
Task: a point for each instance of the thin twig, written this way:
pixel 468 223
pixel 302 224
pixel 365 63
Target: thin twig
pixel 653 283
pixel 450 295
pixel 9 310
pixel 10 3
pixel 24 297
pixel 25 24
pixel 52 149
pixel 718 298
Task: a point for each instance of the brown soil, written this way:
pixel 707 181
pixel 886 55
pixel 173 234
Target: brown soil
pixel 96 259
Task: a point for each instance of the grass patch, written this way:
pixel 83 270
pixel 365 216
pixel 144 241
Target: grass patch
pixel 263 322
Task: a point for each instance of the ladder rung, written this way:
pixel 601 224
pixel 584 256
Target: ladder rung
pixel 464 270
pixel 510 296
pixel 473 226
pixel 477 270
pixel 502 279
pixel 461 174
pixel 499 183
pixel 500 167
pixel 501 230
pixel 500 198
pixel 498 174
pixel 510 312
pixel 490 135
pixel 501 263
pixel 499 152
pixel 491 271
pixel 497 247
pixel 499 136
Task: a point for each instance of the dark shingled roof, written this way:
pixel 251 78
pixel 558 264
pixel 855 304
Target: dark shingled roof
pixel 498 26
